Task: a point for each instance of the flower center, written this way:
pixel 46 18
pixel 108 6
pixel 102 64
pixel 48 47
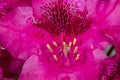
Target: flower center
pixel 67 53
pixel 60 16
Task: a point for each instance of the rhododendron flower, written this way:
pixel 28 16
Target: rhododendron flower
pixel 60 40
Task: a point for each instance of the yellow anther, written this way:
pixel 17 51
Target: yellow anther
pixel 55 44
pixel 75 49
pixel 70 44
pixel 55 57
pixel 77 57
pixel 74 41
pixel 49 47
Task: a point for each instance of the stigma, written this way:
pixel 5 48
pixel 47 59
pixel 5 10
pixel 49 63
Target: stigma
pixel 68 53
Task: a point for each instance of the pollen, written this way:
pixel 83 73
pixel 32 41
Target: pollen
pixel 74 41
pixel 77 57
pixel 55 57
pixel 49 47
pixel 55 44
pixel 75 49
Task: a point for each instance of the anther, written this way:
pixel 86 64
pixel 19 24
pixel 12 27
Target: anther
pixel 49 47
pixel 64 43
pixel 77 57
pixel 55 57
pixel 75 49
pixel 55 44
pixel 74 41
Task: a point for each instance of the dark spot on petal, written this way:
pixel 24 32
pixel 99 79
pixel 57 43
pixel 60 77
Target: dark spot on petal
pixel 60 16
pixel 115 70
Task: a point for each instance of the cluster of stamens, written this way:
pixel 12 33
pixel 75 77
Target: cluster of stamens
pixel 67 49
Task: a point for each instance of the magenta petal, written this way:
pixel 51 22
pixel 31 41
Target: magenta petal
pixel 7 6
pixel 13 30
pixel 38 9
pixel 36 5
pixel 105 7
pixel 33 69
pixel 113 19
pixel 18 18
pixel 44 71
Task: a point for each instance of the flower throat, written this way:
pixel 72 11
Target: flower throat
pixel 60 16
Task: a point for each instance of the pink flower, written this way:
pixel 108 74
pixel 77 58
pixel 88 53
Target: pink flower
pixel 62 39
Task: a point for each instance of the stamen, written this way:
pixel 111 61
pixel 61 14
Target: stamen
pixel 74 41
pixel 65 48
pixel 55 44
pixel 75 49
pixel 55 57
pixel 64 43
pixel 77 57
pixel 49 47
